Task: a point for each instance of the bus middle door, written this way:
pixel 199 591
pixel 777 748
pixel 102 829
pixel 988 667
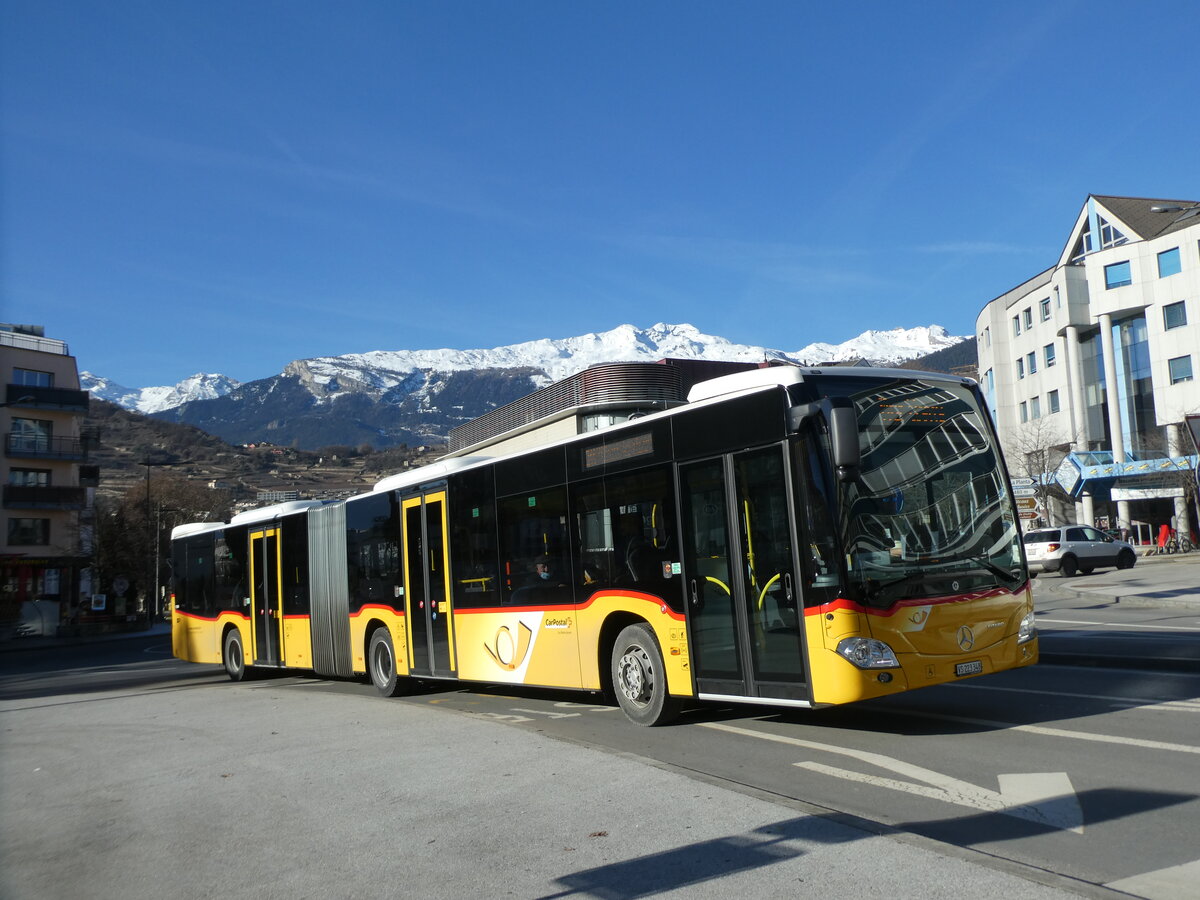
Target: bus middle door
pixel 744 618
pixel 266 611
pixel 427 598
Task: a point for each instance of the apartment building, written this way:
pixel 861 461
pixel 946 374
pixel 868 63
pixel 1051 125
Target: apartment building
pixel 45 516
pixel 1098 356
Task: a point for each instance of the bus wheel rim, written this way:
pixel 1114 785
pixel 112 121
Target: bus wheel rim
pixel 636 676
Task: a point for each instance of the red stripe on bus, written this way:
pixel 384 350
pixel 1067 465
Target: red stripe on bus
pixel 216 618
pixel 373 607
pixel 577 607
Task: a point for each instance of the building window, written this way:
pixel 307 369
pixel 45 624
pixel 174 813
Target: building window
pixel 1035 408
pixel 1028 317
pixel 1048 355
pixel 29 477
pixel 33 378
pixel 1180 369
pixel 1016 325
pixel 1024 412
pixel 1168 263
pixel 28 532
pixel 1020 368
pixel 1031 362
pixel 1117 275
pixel 1045 308
pixel 1174 315
pixel 987 335
pixel 1052 401
pixel 31 434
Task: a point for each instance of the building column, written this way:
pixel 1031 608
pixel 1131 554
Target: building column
pixel 1110 389
pixel 1089 510
pixel 1123 520
pixel 1079 435
pixel 1175 450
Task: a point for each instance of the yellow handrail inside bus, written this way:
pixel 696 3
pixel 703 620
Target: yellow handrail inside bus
pixel 722 585
pixel 763 596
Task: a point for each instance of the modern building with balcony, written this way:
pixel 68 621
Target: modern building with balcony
pixel 1097 358
pixel 48 486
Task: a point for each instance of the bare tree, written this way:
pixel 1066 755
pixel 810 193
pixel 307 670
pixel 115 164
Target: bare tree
pixel 1035 449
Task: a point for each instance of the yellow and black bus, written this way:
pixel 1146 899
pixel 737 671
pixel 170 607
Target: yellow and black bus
pixel 791 536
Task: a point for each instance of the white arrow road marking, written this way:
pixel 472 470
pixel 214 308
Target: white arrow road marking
pixel 1165 884
pixel 1046 798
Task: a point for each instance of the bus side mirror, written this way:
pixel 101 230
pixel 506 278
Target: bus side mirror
pixel 843 433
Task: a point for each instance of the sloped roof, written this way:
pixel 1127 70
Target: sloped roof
pixel 1138 214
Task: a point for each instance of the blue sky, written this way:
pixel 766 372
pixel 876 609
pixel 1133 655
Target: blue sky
pixel 226 187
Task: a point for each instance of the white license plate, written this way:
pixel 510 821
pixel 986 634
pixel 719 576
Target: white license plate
pixel 974 667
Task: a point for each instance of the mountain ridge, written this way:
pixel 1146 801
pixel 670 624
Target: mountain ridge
pixel 378 372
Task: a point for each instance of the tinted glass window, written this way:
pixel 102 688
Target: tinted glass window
pixel 476 575
pixel 534 558
pixel 1041 537
pixel 625 533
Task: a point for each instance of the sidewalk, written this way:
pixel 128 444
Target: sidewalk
pixel 20 644
pixel 1168 580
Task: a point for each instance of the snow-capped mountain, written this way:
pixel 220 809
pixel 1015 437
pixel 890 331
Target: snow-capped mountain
pixel 150 400
pixel 389 397
pixel 380 371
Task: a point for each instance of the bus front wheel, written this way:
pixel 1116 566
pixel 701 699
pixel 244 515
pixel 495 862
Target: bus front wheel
pixel 639 678
pixel 381 662
pixel 234 656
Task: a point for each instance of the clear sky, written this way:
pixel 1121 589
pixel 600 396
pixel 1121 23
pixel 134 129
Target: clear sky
pixel 228 186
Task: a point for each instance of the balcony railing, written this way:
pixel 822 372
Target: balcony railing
pixel 33 446
pixel 37 497
pixel 66 399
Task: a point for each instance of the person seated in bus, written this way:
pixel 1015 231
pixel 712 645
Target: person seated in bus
pixel 542 585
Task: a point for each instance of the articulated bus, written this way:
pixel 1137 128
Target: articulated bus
pixel 790 536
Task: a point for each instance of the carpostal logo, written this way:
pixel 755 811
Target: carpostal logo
pixel 509 650
pixel 560 624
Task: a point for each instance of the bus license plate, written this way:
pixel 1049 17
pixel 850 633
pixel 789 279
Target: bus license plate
pixel 969 668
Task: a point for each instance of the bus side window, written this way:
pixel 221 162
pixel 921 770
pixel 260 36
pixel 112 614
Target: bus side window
pixel 818 556
pixel 534 549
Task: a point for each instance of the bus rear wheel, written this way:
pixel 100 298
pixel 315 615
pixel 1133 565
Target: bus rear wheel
pixel 639 677
pixel 381 663
pixel 234 657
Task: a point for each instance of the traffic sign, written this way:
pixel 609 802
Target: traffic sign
pixel 1021 482
pixel 1027 514
pixel 1024 492
pixel 1027 503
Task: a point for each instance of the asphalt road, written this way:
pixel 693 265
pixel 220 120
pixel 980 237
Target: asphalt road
pixel 126 773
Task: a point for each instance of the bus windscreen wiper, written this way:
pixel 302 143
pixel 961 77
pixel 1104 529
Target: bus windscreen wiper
pixel 996 570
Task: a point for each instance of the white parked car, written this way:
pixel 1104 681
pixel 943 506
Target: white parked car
pixel 1075 548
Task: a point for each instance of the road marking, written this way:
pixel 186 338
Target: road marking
pixel 1045 797
pixel 1117 625
pixel 1188 705
pixel 1164 884
pixel 1061 732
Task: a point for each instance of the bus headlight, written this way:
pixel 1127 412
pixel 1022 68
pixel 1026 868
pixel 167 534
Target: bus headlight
pixel 1028 630
pixel 867 653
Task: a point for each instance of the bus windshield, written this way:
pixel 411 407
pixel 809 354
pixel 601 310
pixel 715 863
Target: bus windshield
pixel 929 513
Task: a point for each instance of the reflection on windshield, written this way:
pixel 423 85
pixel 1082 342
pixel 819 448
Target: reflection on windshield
pixel 929 514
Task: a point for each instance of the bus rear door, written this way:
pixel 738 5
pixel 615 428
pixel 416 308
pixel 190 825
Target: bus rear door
pixel 265 597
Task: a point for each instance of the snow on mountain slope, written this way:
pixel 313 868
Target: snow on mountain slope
pixel 381 371
pixel 156 399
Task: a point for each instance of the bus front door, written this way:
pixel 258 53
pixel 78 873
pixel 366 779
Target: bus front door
pixel 265 597
pixel 744 619
pixel 427 598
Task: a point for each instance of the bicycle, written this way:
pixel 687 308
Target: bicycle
pixel 1178 545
